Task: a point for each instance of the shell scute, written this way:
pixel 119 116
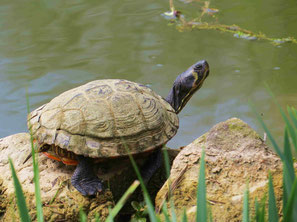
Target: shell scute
pixel 46 136
pixel 127 116
pixel 63 139
pixel 73 121
pixel 126 86
pixel 150 109
pixel 92 144
pixel 99 120
pixel 51 118
pixel 100 91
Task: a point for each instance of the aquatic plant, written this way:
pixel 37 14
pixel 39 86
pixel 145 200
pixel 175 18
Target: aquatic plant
pixel 186 24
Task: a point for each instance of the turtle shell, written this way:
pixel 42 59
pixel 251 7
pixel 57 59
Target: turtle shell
pixel 105 118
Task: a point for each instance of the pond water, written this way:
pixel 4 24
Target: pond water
pixel 51 46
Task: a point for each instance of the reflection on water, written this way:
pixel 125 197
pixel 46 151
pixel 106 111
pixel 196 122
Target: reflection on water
pixel 51 46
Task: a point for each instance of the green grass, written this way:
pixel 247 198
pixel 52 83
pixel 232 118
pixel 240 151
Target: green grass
pixel 289 176
pixel 147 199
pixel 113 213
pixel 272 209
pixel 23 210
pixel 246 207
pixel 201 214
pixel 21 202
pixel 260 212
pixel 35 170
pixel 82 216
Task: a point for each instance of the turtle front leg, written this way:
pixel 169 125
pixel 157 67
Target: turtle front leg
pixel 151 165
pixel 84 179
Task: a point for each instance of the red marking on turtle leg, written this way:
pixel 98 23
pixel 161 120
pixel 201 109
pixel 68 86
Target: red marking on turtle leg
pixel 51 156
pixel 69 161
pixel 63 159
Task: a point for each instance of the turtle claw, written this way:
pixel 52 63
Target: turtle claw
pixel 84 179
pixel 88 186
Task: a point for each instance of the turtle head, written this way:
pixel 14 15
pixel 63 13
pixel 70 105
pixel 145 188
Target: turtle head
pixel 186 84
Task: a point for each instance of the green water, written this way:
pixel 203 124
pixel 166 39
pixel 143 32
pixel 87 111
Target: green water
pixel 52 46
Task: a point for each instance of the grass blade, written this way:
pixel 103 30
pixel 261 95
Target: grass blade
pixel 82 215
pixel 294 111
pixel 286 157
pixel 167 168
pixel 36 172
pixel 21 203
pixel 288 176
pixel 288 213
pixel 287 121
pixel 288 168
pixel 201 215
pixel 150 207
pixel 173 215
pixel 122 201
pixel 285 190
pixel 272 209
pixel 246 213
pixel 262 211
pixel 166 162
pixel 97 218
pixel 289 126
pixel 165 213
pixel 257 210
pixel 37 188
pixel 151 211
pixel 293 115
pixel 269 135
pixel 184 218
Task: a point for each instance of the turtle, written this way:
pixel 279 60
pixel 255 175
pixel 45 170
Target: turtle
pixel 111 118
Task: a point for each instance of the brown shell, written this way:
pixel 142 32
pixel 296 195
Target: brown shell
pixel 105 118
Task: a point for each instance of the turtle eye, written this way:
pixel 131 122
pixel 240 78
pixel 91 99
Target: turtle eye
pixel 198 67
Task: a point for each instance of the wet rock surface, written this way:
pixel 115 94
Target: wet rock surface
pixel 234 155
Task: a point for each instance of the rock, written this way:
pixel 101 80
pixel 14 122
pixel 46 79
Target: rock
pixel 54 180
pixel 61 201
pixel 234 155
